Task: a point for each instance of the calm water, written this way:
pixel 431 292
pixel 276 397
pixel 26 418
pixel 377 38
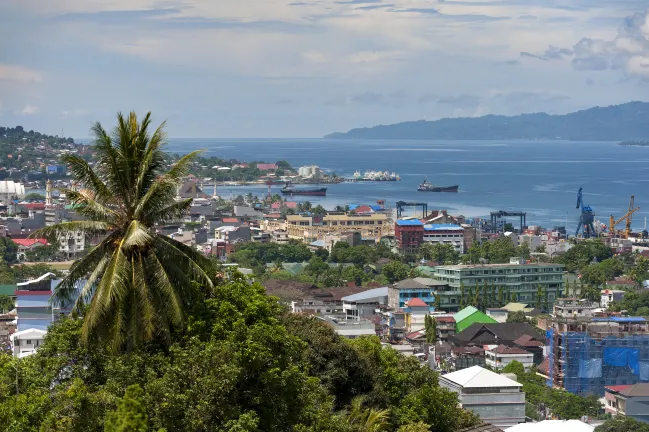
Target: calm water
pixel 540 178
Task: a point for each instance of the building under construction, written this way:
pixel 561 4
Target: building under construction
pixel 587 354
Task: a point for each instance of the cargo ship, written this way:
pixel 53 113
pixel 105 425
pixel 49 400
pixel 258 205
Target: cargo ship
pixel 427 186
pixel 289 189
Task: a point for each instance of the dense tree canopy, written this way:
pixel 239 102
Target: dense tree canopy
pixel 495 252
pixel 622 424
pixel 583 253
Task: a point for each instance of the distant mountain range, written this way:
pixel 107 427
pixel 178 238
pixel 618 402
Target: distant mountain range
pixel 626 122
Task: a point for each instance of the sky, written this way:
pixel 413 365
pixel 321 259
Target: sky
pixel 305 68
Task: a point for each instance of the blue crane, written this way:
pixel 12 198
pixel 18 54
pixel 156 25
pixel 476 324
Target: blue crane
pixel 586 219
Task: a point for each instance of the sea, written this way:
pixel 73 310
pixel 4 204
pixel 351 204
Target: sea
pixel 540 178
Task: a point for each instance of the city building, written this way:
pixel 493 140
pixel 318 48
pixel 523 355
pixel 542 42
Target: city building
pixel 494 334
pixel 26 342
pixel 498 314
pixel 499 357
pixel 422 288
pixel 628 400
pixel 445 327
pixel 497 399
pixel 609 296
pixel 470 315
pixel 568 307
pixel 365 303
pixel 446 234
pixel 585 355
pixel 409 234
pixel 554 426
pixel 517 277
pixel 350 329
pixel 418 311
pixel 312 228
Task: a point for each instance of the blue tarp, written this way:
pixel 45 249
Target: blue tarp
pixel 590 368
pixel 644 371
pixel 623 357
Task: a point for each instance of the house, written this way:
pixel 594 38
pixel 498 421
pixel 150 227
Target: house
pixel 609 296
pixel 466 357
pixel 445 327
pixel 497 399
pixel 350 329
pixel 418 311
pixel 571 307
pixel 26 342
pixel 494 334
pixel 266 167
pixel 470 315
pixel 628 400
pixel 531 344
pixel 25 245
pixel 499 357
pixel 422 288
pixel 364 304
pixel 498 314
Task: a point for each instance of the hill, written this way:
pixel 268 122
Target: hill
pixel 626 122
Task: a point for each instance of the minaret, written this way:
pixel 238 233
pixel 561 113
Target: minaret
pixel 48 193
pixel 214 195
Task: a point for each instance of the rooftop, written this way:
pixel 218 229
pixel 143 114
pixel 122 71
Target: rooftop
pixel 409 222
pixel 528 341
pixel 554 426
pixel 442 227
pixel 503 349
pixel 478 377
pixel 636 390
pixel 472 266
pixel 418 283
pixel 371 293
pixel 416 302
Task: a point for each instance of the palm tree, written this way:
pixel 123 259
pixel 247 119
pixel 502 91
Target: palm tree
pixel 367 420
pixel 138 283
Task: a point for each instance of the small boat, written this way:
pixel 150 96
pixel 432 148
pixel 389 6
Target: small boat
pixel 427 186
pixel 292 190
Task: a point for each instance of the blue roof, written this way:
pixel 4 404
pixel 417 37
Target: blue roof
pixel 621 319
pixel 442 227
pixel 318 243
pixel 408 222
pixel 376 207
pixel 353 206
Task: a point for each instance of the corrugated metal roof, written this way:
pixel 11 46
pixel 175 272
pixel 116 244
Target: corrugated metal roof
pixel 442 227
pixel 409 222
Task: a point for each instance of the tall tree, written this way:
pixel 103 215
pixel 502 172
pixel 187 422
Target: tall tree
pixel 567 291
pixel 431 329
pixel 501 297
pixel 546 303
pixel 539 297
pixel 492 297
pixel 438 301
pixel 462 296
pixel 131 414
pixel 138 283
pixel 476 299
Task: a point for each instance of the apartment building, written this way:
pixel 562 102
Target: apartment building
pixel 312 228
pixel 517 277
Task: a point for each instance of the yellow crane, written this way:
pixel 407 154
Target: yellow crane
pixel 628 216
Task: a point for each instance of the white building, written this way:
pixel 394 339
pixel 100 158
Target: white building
pixel 608 296
pixel 10 191
pixel 26 342
pixel 364 304
pixel 532 241
pixel 497 399
pixel 72 243
pixel 310 171
pixel 445 234
pixel 500 356
pixel 554 426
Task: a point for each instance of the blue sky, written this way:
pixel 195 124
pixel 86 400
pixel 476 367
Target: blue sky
pixel 304 68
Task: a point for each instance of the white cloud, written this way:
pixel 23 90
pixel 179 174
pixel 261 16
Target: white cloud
pixel 30 109
pixel 19 74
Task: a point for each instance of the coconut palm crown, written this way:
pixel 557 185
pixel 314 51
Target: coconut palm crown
pixel 134 285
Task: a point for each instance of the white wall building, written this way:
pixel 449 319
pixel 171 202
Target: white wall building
pixel 609 296
pixel 499 357
pixel 445 234
pixel 497 399
pixel 26 342
pixel 309 171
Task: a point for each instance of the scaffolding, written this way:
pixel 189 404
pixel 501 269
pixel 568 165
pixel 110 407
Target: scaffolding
pixel 609 352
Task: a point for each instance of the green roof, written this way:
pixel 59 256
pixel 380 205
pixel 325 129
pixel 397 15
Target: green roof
pixel 9 290
pixel 465 313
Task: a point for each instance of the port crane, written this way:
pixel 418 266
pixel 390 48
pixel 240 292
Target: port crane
pixel 628 216
pixel 586 219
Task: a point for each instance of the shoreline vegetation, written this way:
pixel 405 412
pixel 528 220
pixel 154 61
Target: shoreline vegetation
pixel 634 143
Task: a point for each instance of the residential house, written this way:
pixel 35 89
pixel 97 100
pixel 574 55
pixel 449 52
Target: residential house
pixel 466 357
pixel 628 400
pixel 350 329
pixel 422 288
pixel 445 327
pixel 532 344
pixel 495 398
pixel 470 315
pixel 27 341
pixel 494 334
pixel 609 296
pixel 571 307
pixel 418 311
pixel 365 303
pixel 498 314
pixel 25 245
pixel 499 357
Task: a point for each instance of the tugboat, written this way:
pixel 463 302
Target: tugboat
pixel 289 189
pixel 427 186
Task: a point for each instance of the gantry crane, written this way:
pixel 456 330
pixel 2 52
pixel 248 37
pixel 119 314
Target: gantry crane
pixel 586 219
pixel 628 216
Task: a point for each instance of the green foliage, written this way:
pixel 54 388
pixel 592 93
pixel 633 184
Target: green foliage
pixel 431 329
pixel 580 255
pixel 439 252
pixel 516 317
pixel 256 255
pixel 496 252
pixel 640 271
pixel 395 271
pixel 8 250
pixel 6 303
pixel 514 367
pixel 414 427
pixel 598 274
pixel 42 253
pixel 131 413
pixel 562 404
pixel 622 424
pixel 635 302
pixel 34 197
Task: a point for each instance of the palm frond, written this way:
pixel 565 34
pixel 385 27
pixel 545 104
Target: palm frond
pixel 189 258
pixel 81 171
pixel 136 236
pixel 89 227
pixel 86 205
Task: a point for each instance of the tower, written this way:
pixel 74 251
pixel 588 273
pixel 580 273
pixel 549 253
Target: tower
pixel 48 193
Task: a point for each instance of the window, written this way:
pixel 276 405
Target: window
pixel 29 341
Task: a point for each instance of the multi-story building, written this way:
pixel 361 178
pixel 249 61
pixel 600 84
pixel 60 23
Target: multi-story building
pixel 609 296
pixel 499 357
pixel 409 234
pixel 446 234
pixel 517 277
pixel 498 400
pixel 312 228
pixel 569 307
pixel 628 400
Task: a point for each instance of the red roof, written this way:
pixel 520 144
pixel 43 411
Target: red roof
pixel 363 209
pixel 414 334
pixel 528 341
pixel 32 293
pixel 503 349
pixel 445 319
pixel 266 166
pixel 30 242
pixel 230 220
pixel 275 205
pixel 618 388
pixel 417 302
pixel 291 204
pixel 33 206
